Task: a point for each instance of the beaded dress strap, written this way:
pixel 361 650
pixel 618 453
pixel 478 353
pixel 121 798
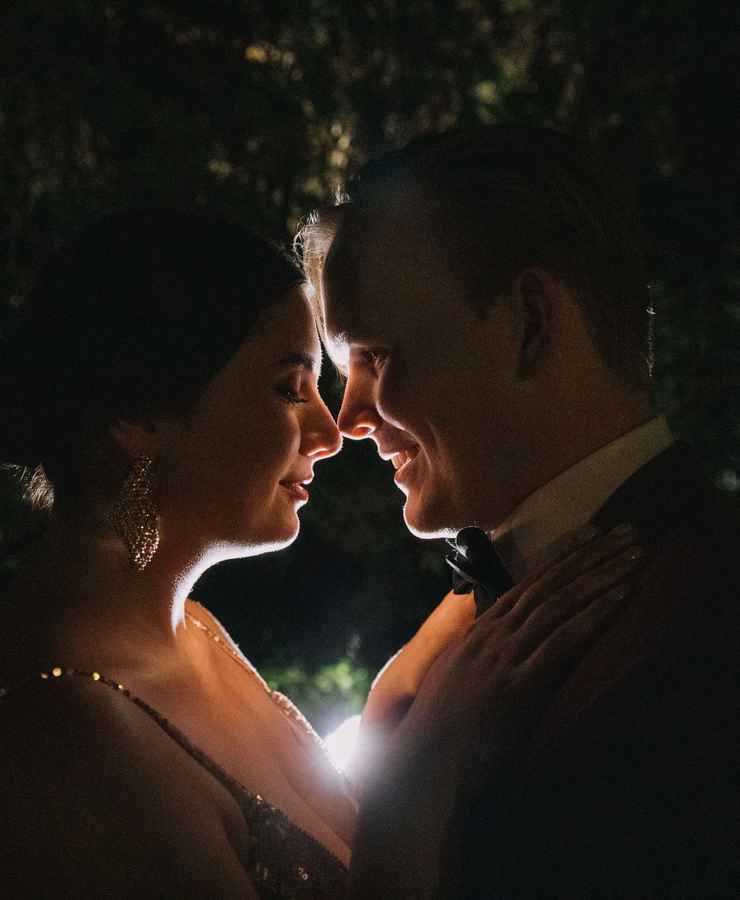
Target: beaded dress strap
pixel 57 672
pixel 255 808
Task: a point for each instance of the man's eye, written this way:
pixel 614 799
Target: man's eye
pixel 291 396
pixel 375 357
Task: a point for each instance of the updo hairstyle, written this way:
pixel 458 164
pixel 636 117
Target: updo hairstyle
pixel 129 321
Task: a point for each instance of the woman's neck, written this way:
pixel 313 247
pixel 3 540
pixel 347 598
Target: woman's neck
pixel 78 595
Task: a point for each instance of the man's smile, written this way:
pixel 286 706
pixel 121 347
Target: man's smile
pixel 404 456
pixel 403 462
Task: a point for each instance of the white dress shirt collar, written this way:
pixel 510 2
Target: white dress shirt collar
pixel 572 498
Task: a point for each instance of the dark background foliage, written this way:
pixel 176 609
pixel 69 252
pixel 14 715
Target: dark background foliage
pixel 259 108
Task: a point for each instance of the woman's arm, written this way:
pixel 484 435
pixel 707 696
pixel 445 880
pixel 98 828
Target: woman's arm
pixel 472 715
pixel 397 684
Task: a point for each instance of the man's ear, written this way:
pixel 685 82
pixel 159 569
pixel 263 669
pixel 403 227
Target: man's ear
pixel 533 293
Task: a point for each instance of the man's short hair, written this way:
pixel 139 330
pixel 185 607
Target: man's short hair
pixel 503 198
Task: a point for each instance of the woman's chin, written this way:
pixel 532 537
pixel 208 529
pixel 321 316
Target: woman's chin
pixel 277 544
pixel 276 539
pixel 258 538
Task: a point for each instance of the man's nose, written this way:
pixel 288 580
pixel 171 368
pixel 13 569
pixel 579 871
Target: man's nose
pixel 358 416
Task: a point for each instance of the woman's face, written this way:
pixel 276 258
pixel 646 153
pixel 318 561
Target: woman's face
pixel 234 470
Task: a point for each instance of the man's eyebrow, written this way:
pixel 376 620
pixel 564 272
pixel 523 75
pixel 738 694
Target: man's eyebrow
pixel 303 360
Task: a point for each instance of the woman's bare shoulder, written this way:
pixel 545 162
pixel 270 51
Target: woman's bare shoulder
pixel 47 712
pixel 93 794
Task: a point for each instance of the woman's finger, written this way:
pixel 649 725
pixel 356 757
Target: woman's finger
pixel 568 545
pixel 556 655
pixel 547 582
pixel 576 596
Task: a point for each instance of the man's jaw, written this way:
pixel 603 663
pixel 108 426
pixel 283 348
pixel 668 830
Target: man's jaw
pixel 402 455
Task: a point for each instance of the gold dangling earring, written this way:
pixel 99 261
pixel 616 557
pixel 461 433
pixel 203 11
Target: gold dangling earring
pixel 134 516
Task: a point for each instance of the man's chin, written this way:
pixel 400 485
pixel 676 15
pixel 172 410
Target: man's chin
pixel 426 524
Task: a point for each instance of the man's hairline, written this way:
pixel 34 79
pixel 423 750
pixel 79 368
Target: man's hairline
pixel 337 216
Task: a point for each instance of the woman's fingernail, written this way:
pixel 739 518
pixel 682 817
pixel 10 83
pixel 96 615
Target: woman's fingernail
pixel 624 528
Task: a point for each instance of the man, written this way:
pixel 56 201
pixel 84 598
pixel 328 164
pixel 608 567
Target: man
pixel 485 295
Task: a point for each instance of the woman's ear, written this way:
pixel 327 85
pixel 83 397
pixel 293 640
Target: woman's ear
pixel 534 295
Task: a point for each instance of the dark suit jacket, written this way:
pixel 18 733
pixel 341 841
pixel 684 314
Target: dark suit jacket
pixel 630 786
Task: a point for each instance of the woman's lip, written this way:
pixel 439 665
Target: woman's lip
pixel 296 489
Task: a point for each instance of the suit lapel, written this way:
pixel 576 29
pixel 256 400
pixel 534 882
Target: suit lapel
pixel 659 498
pixel 657 495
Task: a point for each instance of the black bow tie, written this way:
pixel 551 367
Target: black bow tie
pixel 477 567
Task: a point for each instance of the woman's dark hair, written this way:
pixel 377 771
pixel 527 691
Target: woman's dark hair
pixel 128 321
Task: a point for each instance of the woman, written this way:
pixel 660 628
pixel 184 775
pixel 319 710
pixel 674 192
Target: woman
pixel 164 385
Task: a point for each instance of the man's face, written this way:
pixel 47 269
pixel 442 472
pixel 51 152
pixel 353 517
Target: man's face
pixel 430 380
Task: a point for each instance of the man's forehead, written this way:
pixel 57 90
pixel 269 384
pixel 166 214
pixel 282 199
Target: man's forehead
pixel 359 240
pixel 350 281
pixel 391 229
pixel 373 265
pixel 348 321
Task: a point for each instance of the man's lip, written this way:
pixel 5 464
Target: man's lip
pixel 401 457
pixel 403 463
pixel 297 480
pixel 391 452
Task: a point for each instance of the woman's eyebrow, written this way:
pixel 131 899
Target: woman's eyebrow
pixel 304 360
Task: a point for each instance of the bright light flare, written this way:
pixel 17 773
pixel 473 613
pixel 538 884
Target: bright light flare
pixel 342 742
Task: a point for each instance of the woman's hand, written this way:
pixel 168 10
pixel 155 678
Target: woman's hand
pixel 480 700
pixel 498 679
pixel 398 682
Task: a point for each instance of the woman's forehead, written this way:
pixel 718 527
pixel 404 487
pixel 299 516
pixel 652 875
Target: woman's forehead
pixel 287 327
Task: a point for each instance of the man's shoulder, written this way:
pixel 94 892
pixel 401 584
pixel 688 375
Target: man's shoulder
pixel 696 554
pixel 627 784
pixel 666 489
pixel 676 636
pixel 690 527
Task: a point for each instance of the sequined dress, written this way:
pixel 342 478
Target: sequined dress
pixel 285 863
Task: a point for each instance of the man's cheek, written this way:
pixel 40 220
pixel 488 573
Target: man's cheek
pixel 396 403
